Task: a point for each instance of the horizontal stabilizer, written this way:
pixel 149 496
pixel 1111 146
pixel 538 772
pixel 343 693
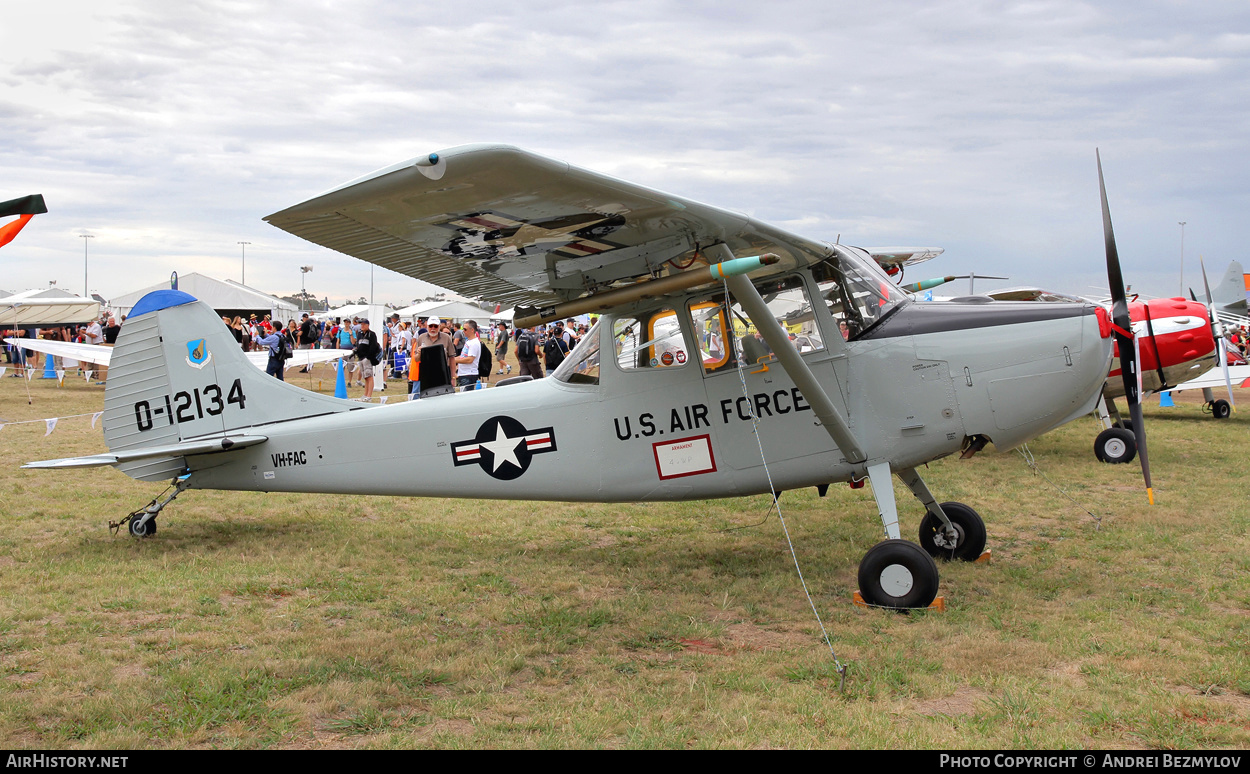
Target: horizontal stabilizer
pixel 204 446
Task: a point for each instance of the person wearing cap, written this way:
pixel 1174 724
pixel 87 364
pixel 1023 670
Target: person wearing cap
pixel 274 342
pixel 367 347
pixel 433 335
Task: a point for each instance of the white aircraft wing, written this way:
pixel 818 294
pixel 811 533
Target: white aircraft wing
pixel 90 353
pixel 300 358
pixel 1215 378
pixel 100 355
pixel 497 222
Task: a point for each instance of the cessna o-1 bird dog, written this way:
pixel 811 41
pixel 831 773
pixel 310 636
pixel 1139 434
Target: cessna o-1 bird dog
pixel 660 400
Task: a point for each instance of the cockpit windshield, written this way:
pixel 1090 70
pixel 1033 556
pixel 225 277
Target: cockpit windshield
pixel 857 290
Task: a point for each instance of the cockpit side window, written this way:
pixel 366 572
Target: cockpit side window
pixel 858 293
pixel 726 334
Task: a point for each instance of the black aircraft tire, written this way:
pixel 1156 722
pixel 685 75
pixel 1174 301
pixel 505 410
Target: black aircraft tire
pixel 1115 446
pixel 148 530
pixel 1221 410
pixel 1126 424
pixel 898 574
pixel 968 524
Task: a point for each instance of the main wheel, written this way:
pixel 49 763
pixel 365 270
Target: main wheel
pixel 1221 410
pixel 1116 445
pixel 147 530
pixel 898 574
pixel 969 539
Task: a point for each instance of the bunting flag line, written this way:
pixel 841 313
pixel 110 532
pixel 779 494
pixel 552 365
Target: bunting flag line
pixel 2 370
pixel 50 422
pixel 88 374
pixel 60 377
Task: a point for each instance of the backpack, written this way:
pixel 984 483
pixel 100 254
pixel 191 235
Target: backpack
pixel 525 346
pixel 555 349
pixel 483 362
pixel 286 351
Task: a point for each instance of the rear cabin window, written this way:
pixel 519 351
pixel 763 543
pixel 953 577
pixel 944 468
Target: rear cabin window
pixel 649 340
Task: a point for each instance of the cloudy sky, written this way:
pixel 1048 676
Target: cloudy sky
pixel 168 130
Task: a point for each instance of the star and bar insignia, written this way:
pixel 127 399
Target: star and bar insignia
pixel 503 447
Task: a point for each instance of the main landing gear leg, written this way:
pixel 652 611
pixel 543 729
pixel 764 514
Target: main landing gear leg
pixel 1220 409
pixel 949 530
pixel 895 573
pixel 142 523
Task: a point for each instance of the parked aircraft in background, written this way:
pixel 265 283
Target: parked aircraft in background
pixel 25 208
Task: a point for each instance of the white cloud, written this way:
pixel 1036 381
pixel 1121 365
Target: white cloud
pixel 170 129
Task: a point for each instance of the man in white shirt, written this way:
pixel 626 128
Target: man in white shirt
pixel 470 356
pixel 95 335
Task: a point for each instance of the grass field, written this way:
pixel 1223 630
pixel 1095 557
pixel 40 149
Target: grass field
pixel 295 621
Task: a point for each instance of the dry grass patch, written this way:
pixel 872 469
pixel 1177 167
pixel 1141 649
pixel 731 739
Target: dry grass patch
pixel 300 621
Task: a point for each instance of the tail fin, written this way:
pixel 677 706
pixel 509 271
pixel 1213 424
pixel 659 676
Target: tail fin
pixel 1233 288
pixel 177 375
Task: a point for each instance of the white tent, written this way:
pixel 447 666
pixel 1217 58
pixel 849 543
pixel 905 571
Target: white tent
pixel 224 296
pixel 445 310
pixel 351 310
pixel 47 307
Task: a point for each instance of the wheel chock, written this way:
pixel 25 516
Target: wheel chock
pixel 983 558
pixel 938 605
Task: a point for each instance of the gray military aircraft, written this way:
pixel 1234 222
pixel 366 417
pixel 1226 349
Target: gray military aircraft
pixel 688 387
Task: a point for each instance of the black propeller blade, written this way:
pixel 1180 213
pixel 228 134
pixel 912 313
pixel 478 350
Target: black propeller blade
pixel 1129 361
pixel 1217 330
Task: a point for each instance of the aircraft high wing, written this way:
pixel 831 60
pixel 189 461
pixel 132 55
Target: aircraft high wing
pixel 689 387
pixel 497 222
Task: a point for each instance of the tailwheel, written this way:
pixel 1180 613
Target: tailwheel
pixel 1116 445
pixel 898 574
pixel 141 530
pixel 1220 409
pixel 968 541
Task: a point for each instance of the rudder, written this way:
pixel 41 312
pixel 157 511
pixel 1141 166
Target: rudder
pixel 177 374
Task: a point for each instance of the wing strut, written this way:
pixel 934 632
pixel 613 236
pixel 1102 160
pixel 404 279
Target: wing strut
pixel 794 365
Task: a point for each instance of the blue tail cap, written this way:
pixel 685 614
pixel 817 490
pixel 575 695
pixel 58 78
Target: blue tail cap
pixel 161 299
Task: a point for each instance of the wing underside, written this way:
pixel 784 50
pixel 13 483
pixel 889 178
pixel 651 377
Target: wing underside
pixel 502 224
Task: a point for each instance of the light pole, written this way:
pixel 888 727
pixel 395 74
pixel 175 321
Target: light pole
pixel 85 237
pixel 303 294
pixel 1182 224
pixel 243 272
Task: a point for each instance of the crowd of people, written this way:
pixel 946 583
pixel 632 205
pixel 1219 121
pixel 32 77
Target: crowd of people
pixel 102 330
pixel 396 346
